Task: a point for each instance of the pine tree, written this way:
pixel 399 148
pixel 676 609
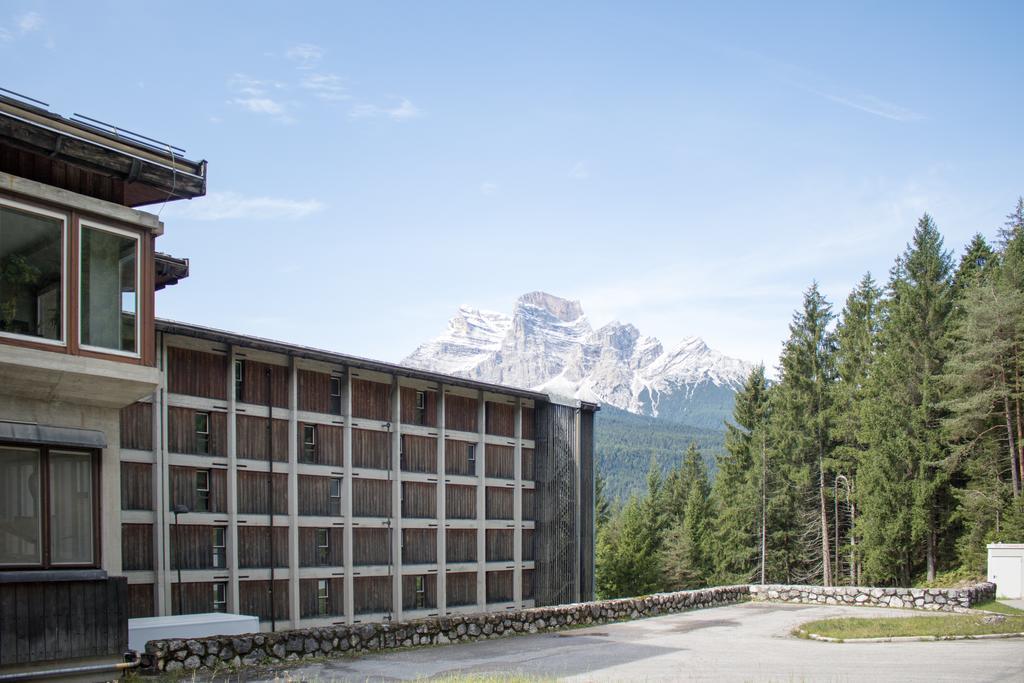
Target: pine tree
pixel 686 553
pixel 602 506
pixel 627 553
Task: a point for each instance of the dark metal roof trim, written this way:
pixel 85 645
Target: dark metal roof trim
pixel 51 575
pixel 224 337
pixel 169 270
pixel 52 436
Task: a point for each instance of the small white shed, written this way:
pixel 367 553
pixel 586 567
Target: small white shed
pixel 1006 569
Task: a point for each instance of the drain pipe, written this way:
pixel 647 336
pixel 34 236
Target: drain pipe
pixel 132 661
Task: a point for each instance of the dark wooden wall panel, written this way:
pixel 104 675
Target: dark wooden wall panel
pixel 529 424
pixel 136 486
pixel 371 400
pixel 181 432
pixel 371 498
pixel 314 392
pixel 196 597
pixel 412 415
pixel 253 496
pixel 309 605
pixel 501 419
pixel 460 413
pixel 371 449
pixel 500 462
pixel 499 586
pixel 527 584
pixel 183 488
pixel 456 457
pixel 197 373
pixel 137 426
pixel 252 438
pixel 309 552
pixel 141 602
pixel 528 545
pixel 136 547
pixel 460 502
pixel 419 546
pixel 529 510
pixel 192 546
pixel 254 599
pixel 419 500
pixel 410 600
pixel 460 545
pixel 419 454
pixel 499 502
pixel 329 445
pixel 461 589
pixel 371 594
pixel 254 546
pixel 254 383
pixel 500 545
pixel 315 496
pixel 371 546
pixel 528 474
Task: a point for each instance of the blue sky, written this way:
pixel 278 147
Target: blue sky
pixel 687 169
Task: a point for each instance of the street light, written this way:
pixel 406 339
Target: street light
pixel 178 509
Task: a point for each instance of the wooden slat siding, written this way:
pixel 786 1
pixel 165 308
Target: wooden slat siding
pixel 183 488
pixel 136 486
pixel 309 605
pixel 197 373
pixel 308 556
pixel 527 584
pixel 137 426
pixel 329 445
pixel 196 550
pixel 371 449
pixel 315 496
pixel 456 458
pixel 501 419
pixel 460 545
pixel 529 426
pixel 499 586
pixel 461 589
pixel 419 454
pixel 460 413
pixel 371 498
pixel 136 546
pixel 254 547
pixel 460 502
pixel 500 545
pixel 527 545
pixel 140 601
pixel 371 546
pixel 252 438
pixel 528 474
pixel 500 462
pixel 371 400
pixel 419 500
pixel 254 599
pixel 411 416
pixel 254 383
pixel 429 591
pixel 314 396
pixel 419 546
pixel 252 493
pixel 197 597
pixel 529 512
pixel 371 594
pixel 62 620
pixel 62 174
pixel 499 503
pixel 181 431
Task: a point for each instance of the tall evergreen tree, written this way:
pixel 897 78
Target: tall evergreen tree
pixel 627 553
pixel 686 553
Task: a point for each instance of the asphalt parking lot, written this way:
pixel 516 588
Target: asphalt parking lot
pixel 747 642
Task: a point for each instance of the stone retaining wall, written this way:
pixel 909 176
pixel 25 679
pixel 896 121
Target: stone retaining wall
pixel 287 646
pixel 935 599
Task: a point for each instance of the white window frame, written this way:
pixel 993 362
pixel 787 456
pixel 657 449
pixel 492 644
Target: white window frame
pixel 93 225
pixel 224 594
pixel 238 384
pixel 223 547
pixel 203 490
pixel 335 381
pixel 65 274
pixel 325 547
pixel 323 599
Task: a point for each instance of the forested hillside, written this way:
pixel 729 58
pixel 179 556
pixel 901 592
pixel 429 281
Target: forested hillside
pixel 889 452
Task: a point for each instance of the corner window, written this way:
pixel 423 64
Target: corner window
pixel 108 288
pixel 323 547
pixel 334 390
pixel 202 424
pixel 58 529
pixel 323 597
pixel 220 597
pixel 219 547
pixel 31 272
pixel 334 504
pixel 309 443
pixel 239 378
pixel 202 491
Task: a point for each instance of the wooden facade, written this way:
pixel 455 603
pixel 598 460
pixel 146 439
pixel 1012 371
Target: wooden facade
pixel 254 443
pixel 501 419
pixel 371 400
pixel 460 413
pixel 419 500
pixel 137 427
pixel 461 589
pixel 460 545
pixel 186 488
pixel 371 449
pixel 255 490
pixel 419 454
pixel 419 546
pixel 372 594
pixel 136 486
pixel 254 546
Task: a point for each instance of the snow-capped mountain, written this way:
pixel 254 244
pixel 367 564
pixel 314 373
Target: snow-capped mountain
pixel 549 345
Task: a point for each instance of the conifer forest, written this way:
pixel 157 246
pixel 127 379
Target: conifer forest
pixel 887 450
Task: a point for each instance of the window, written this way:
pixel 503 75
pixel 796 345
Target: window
pixel 108 286
pixel 57 529
pixel 421 407
pixel 471 456
pixel 219 548
pixel 335 395
pixel 202 491
pixel 220 597
pixel 31 272
pixel 421 593
pixel 239 378
pixel 308 443
pixel 323 547
pixel 334 505
pixel 202 424
pixel 323 597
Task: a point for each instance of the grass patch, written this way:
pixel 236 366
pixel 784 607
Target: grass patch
pixel 996 606
pixel 955 578
pixel 895 627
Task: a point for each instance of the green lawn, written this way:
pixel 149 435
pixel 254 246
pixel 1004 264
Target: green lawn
pixel 892 627
pixel 996 606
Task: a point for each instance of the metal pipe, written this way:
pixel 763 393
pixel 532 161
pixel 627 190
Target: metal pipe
pixel 73 670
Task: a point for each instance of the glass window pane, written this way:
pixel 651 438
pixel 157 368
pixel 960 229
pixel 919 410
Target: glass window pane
pixel 19 506
pixel 71 508
pixel 108 297
pixel 31 254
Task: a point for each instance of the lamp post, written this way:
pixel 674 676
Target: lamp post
pixel 178 509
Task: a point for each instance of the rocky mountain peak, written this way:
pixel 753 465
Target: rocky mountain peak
pixel 563 309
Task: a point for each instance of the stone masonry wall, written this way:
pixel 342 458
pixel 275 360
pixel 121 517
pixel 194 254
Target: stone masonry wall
pixel 288 646
pixel 935 599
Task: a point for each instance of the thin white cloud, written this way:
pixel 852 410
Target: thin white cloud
pixel 404 111
pixel 306 55
pixel 328 87
pixel 579 171
pixel 488 188
pixel 255 96
pixel 876 106
pixel 29 22
pixel 261 105
pixel 5 35
pixel 219 206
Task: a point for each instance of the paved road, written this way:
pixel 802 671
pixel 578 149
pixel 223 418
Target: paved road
pixel 748 642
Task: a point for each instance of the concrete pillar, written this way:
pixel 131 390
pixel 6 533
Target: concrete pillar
pixel 160 489
pixel 517 507
pixel 442 513
pixel 346 494
pixel 232 486
pixel 481 504
pixel 293 493
pixel 396 500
